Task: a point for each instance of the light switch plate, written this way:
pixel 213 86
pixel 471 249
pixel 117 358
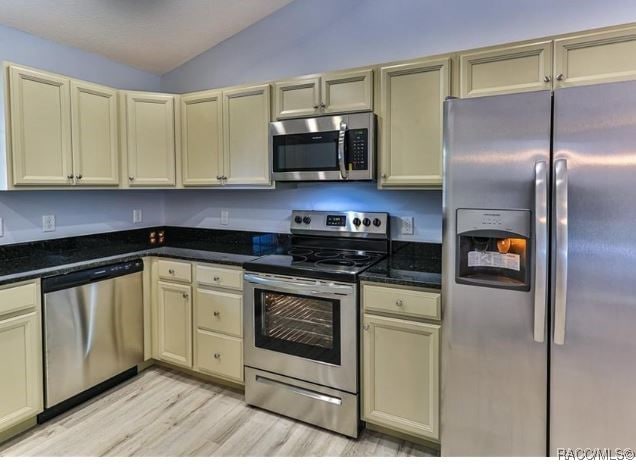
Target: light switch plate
pixel 406 225
pixel 137 216
pixel 48 223
pixel 225 217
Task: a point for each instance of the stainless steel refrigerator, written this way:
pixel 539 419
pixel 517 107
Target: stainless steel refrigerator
pixel 539 289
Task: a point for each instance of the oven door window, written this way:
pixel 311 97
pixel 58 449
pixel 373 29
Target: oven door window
pixel 303 326
pixel 306 152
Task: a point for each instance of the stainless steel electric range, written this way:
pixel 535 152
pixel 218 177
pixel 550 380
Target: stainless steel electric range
pixel 301 318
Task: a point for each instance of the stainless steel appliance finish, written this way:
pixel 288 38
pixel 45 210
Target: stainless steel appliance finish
pixel 494 374
pixel 593 347
pixel 301 329
pixel 322 406
pixel 329 148
pixel 93 328
pixel 495 358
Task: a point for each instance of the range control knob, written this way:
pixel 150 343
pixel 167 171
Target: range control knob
pixel 306 220
pixel 356 222
pixel 366 222
pixel 298 219
pixel 376 222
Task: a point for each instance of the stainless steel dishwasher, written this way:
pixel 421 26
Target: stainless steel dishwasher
pixel 93 332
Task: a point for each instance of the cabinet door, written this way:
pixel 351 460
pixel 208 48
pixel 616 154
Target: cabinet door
pixel 246 134
pixel 202 138
pixel 95 134
pixel 150 139
pixel 506 70
pixel 411 116
pixel 296 98
pixel 40 109
pixel 401 375
pixel 595 58
pixel 21 368
pixel 174 324
pixel 347 92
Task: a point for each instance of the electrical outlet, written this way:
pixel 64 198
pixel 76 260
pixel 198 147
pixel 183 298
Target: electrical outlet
pixel 48 223
pixel 1 227
pixel 137 218
pixel 225 217
pixel 406 225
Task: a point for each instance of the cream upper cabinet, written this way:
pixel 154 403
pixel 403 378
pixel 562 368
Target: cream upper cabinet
pixel 150 137
pixel 401 375
pixel 410 118
pixel 347 92
pixel 40 118
pixel 95 138
pixel 202 138
pixel 173 328
pixel 341 92
pixel 246 134
pixel 595 58
pixel 21 386
pixel 506 70
pixel 297 98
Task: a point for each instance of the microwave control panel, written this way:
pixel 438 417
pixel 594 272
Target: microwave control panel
pixel 358 149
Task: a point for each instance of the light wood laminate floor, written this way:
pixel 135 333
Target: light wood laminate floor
pixel 165 413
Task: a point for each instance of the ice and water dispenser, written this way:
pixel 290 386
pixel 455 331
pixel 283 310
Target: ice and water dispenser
pixel 493 248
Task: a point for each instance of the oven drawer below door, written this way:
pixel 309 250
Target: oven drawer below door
pixel 314 404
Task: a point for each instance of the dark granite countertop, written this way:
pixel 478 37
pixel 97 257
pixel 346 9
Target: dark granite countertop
pixel 410 264
pixel 42 259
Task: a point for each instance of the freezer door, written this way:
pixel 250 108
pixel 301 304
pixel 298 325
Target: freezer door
pixel 494 350
pixel 593 352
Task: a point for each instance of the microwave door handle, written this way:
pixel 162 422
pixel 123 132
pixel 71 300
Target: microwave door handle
pixel 341 150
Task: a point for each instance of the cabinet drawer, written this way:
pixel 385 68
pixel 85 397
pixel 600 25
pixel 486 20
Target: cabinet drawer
pixel 403 302
pixel 18 298
pixel 218 276
pixel 177 271
pixel 219 355
pixel 219 312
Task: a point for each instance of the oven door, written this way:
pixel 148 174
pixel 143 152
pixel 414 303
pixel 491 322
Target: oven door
pixel 302 328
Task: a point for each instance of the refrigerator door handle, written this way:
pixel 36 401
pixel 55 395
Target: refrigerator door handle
pixel 541 249
pixel 561 262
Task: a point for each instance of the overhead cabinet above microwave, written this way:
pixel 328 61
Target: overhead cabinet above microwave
pixel 324 94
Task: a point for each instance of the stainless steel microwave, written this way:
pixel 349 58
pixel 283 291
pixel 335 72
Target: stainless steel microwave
pixel 329 148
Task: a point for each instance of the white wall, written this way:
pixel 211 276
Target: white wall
pixel 76 212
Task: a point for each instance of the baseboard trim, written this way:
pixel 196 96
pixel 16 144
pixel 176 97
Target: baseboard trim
pixel 18 429
pixel 430 444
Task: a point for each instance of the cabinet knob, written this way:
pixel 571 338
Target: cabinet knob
pixel 546 79
pixel 70 177
pixel 560 77
pixel 365 327
pixel 399 303
pixel 323 106
pixel 224 178
pixel 171 271
pixel 216 314
pixel 217 355
pixel 383 176
pixel 217 279
pixel 316 107
pixel 131 178
pixel 185 295
pixel 219 177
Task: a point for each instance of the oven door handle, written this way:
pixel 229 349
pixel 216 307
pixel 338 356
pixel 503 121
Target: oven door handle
pixel 341 150
pixel 330 288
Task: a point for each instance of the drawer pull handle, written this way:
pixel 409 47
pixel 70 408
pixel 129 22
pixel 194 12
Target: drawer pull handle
pixel 216 314
pixel 399 303
pixel 217 355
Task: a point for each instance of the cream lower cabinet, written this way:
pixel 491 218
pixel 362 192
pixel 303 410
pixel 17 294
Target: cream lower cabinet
pixel 21 385
pixel 202 138
pixel 506 70
pixel 595 58
pixel 173 333
pixel 411 123
pixel 246 158
pixel 150 139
